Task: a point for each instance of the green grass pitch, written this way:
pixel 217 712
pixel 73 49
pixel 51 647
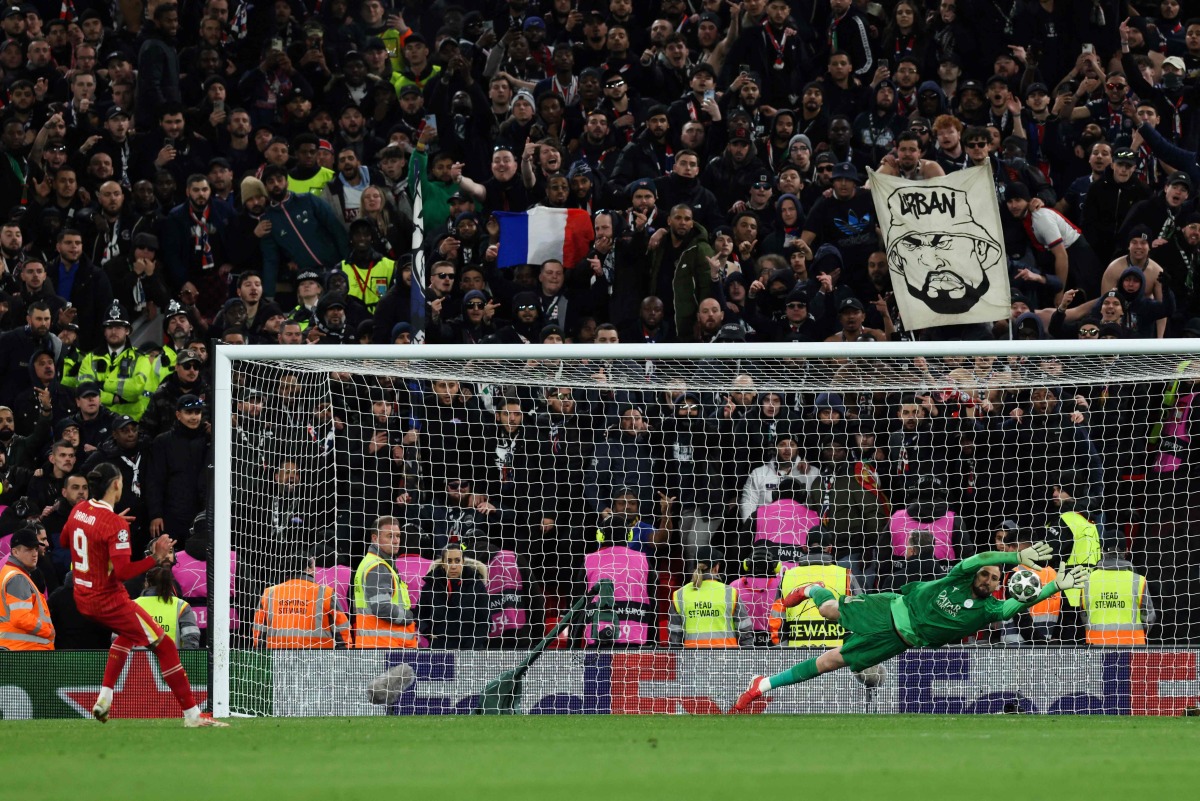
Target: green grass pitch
pixel 602 757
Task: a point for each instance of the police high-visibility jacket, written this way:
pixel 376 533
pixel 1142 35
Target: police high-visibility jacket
pixel 708 616
pixel 802 626
pixel 1113 601
pixel 126 380
pixel 300 614
pixel 24 616
pixel 369 282
pixel 1085 548
pixel 378 588
pixel 175 617
pixel 313 185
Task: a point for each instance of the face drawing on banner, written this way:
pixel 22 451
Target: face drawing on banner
pixel 943 255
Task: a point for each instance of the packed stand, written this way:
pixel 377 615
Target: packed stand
pixel 252 173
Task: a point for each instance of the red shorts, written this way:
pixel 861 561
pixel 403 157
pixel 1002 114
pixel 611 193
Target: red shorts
pixel 126 619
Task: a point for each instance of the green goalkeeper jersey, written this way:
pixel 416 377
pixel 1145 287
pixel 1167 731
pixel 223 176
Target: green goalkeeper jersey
pixel 935 613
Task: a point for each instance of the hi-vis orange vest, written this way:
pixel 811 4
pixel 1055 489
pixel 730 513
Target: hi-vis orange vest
pixel 1046 611
pixel 24 623
pixel 375 632
pixel 300 614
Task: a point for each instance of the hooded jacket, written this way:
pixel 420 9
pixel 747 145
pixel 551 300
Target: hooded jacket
pixel 1107 205
pixel 692 278
pixel 1141 310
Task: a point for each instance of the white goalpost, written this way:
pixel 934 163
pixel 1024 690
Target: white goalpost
pixel 892 460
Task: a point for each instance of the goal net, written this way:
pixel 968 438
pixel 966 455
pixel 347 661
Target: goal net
pixel 500 484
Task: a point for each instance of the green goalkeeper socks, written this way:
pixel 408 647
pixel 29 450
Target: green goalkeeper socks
pixel 797 673
pixel 820 595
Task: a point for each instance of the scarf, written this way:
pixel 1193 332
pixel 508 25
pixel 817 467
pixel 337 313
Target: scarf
pixel 200 232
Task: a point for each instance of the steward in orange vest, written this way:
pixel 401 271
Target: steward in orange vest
pixel 24 616
pixel 299 613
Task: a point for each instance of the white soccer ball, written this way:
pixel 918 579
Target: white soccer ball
pixel 1024 585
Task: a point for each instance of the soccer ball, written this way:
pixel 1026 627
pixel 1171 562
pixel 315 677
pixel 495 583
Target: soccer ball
pixel 1024 585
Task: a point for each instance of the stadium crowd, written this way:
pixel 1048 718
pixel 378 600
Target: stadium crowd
pixel 181 174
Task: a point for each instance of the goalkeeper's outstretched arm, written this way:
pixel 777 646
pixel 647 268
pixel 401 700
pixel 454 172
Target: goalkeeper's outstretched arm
pixel 1038 552
pixel 1069 581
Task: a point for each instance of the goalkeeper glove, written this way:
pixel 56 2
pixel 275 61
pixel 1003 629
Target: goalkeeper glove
pixel 1038 552
pixel 1073 578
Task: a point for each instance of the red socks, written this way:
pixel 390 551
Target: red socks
pixel 118 652
pixel 172 672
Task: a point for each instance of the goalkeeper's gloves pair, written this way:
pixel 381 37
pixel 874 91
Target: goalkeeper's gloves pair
pixel 1041 552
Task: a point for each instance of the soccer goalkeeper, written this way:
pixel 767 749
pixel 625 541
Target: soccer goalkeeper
pixel 924 614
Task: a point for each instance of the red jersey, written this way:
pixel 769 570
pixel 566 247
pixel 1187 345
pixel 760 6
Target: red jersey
pixel 98 541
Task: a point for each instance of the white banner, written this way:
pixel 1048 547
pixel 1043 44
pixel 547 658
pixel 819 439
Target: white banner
pixel 945 247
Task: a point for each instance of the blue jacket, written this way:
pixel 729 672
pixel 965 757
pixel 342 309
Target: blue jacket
pixel 177 245
pixel 304 230
pixel 1177 157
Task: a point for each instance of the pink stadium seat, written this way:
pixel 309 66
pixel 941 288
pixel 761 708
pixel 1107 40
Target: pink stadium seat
pixel 338 578
pixel 190 574
pixel 504 578
pixel 5 548
pixel 412 570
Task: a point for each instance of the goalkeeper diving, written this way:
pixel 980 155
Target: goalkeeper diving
pixel 924 614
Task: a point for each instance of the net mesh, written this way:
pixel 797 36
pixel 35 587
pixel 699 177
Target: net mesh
pixel 547 473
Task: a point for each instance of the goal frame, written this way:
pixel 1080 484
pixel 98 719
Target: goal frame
pixel 224 357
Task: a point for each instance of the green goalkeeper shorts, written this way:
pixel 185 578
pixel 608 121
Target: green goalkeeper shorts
pixel 871 636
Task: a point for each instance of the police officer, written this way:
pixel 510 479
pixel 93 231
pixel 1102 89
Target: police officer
pixel 706 612
pixel 125 374
pixel 1116 603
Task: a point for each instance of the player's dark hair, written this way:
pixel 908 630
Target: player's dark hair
pixel 101 478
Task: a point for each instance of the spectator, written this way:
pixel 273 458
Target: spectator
pixel 18 346
pixel 304 231
pixel 195 248
pixel 453 612
pixel 74 278
pixel 47 393
pixel 176 487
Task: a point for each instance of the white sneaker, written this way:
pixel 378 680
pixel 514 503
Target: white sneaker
pixel 100 710
pixel 205 719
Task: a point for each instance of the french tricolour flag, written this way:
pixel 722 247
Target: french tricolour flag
pixel 541 234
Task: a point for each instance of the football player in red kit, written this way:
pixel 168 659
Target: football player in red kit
pixel 98 541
